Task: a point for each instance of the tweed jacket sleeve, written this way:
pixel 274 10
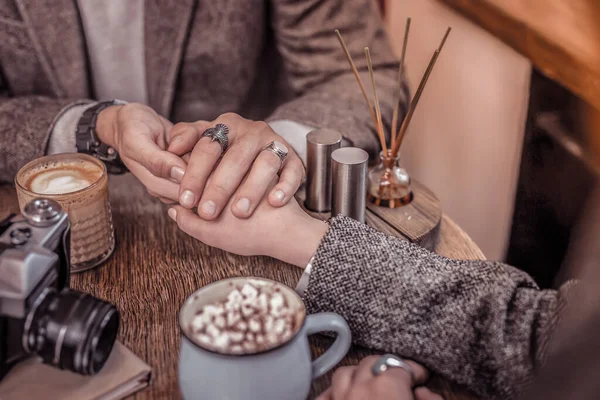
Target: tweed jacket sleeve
pixel 317 70
pixel 481 324
pixel 25 126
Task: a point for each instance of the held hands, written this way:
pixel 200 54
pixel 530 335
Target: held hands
pixel 212 178
pixel 177 165
pixel 358 383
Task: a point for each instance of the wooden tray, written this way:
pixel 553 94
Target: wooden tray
pixel 419 221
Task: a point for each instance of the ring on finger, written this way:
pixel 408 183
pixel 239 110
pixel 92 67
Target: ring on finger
pixel 279 149
pixel 218 133
pixel 391 361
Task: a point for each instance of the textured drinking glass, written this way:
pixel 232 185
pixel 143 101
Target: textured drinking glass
pixel 92 234
pixel 283 372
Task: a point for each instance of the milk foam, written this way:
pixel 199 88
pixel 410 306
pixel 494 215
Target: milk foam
pixel 58 182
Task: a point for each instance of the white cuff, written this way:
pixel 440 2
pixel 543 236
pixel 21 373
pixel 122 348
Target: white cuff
pixel 62 138
pixel 294 133
pixel 303 282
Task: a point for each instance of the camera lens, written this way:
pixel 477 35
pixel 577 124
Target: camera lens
pixel 71 330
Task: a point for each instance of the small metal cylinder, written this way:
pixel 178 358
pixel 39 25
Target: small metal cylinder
pixel 320 143
pixel 349 186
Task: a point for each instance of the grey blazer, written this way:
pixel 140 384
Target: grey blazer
pixel 481 324
pixel 264 59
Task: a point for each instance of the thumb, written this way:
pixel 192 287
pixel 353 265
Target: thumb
pixel 190 223
pixel 184 136
pixel 160 163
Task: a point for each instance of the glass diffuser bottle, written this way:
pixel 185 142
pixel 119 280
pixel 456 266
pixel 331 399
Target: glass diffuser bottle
pixel 389 183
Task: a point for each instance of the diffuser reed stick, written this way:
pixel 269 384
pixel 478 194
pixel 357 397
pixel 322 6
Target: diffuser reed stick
pixel 356 75
pixel 443 42
pixel 396 136
pixel 379 125
pixel 414 103
pixel 399 87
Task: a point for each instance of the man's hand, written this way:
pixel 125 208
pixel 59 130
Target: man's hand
pixel 141 136
pixel 359 383
pixel 244 158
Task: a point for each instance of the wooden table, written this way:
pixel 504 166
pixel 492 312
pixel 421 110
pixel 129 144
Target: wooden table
pixel 155 267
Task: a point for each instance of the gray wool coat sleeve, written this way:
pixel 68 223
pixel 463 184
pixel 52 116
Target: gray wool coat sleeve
pixel 25 126
pixel 481 324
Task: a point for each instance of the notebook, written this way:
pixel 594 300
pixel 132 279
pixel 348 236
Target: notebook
pixel 123 374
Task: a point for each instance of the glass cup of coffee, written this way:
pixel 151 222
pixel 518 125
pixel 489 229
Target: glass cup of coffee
pixel 79 183
pixel 246 338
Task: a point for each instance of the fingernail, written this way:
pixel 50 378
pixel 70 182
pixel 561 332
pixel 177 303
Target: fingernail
pixel 177 174
pixel 243 204
pixel 173 214
pixel 187 199
pixel 279 195
pixel 209 207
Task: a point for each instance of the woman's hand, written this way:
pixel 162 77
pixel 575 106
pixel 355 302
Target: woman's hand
pixel 286 233
pixel 244 158
pixel 359 383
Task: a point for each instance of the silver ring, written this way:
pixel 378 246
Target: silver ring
pixel 391 361
pixel 279 149
pixel 219 134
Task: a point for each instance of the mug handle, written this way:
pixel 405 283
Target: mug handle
pixel 326 322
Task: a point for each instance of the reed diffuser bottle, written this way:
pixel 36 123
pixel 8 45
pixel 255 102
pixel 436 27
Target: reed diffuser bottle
pixel 388 183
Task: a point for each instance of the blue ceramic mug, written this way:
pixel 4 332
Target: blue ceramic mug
pixel 282 372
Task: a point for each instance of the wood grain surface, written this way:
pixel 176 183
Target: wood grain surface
pixel 419 221
pixel 558 36
pixel 155 267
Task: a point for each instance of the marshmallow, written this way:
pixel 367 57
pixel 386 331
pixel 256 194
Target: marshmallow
pixel 242 326
pixel 247 310
pixel 233 317
pixel 234 299
pixel 220 322
pixel 212 310
pixel 279 326
pixel 254 318
pixel 213 331
pixel 199 322
pixel 237 349
pixel 249 291
pixel 254 325
pixel 236 336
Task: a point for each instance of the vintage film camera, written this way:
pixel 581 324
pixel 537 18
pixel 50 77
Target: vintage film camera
pixel 39 314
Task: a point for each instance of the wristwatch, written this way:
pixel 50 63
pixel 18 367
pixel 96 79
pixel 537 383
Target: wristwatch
pixel 87 141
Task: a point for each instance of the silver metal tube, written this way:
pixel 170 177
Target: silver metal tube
pixel 320 143
pixel 349 186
